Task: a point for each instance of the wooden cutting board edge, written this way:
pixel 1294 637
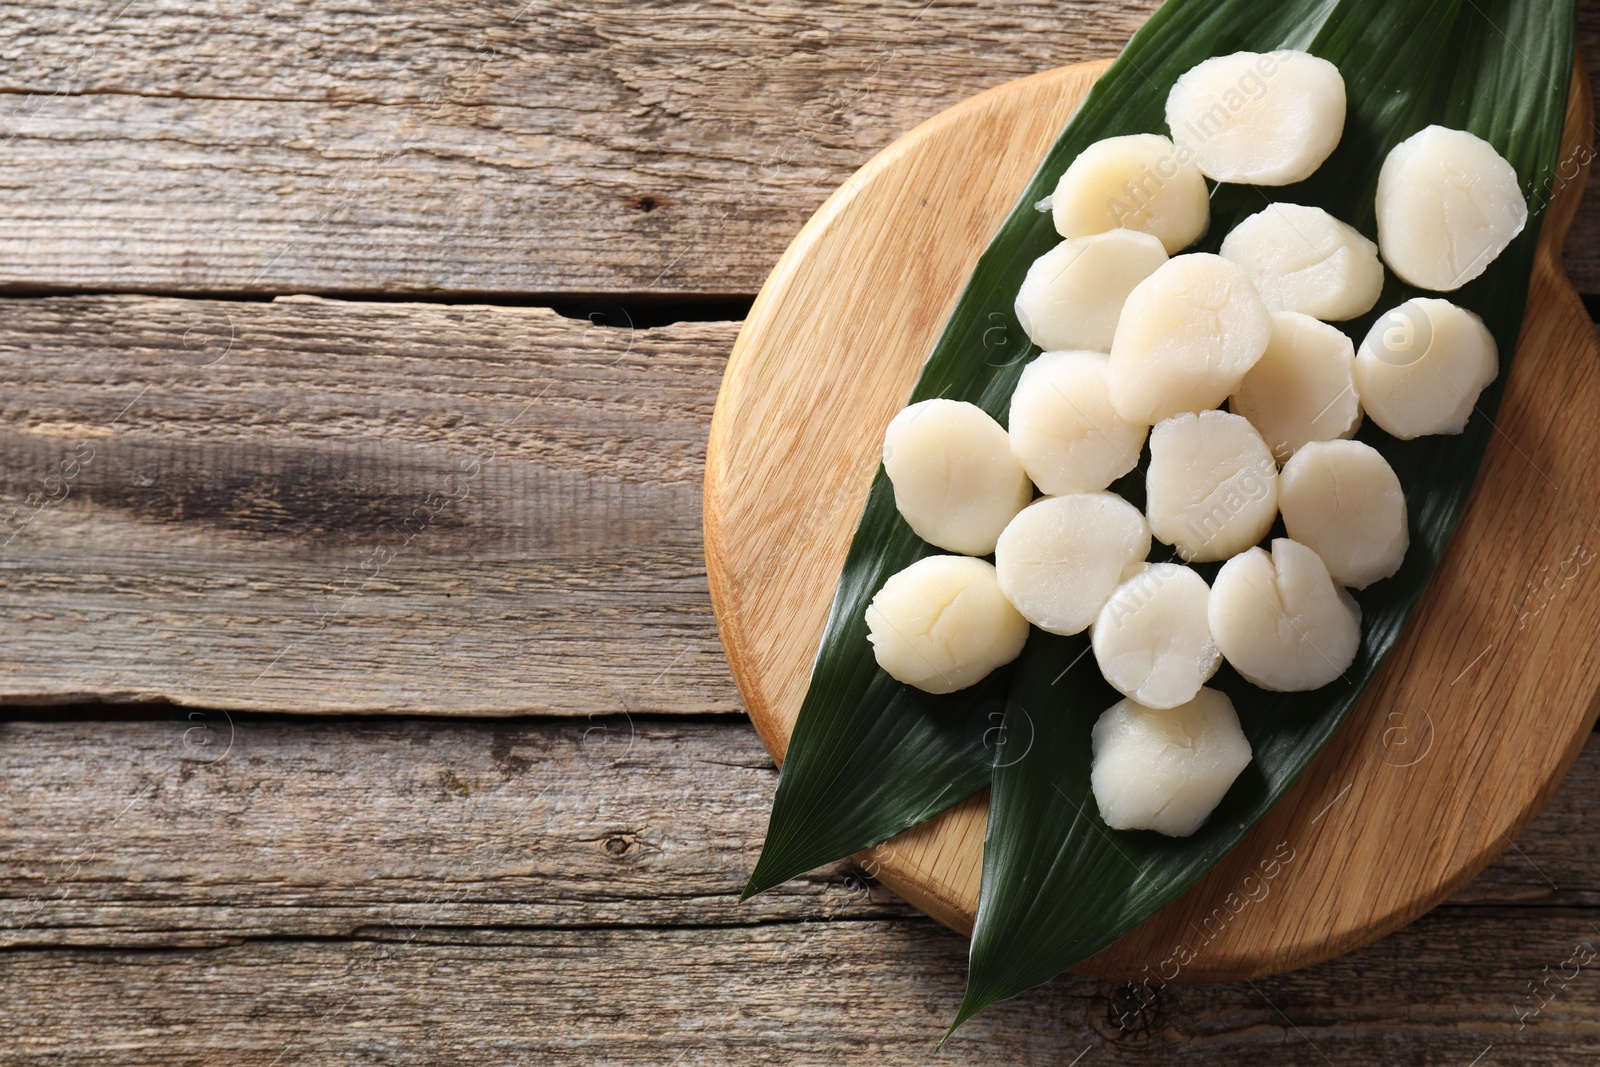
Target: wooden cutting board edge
pixel 1299 918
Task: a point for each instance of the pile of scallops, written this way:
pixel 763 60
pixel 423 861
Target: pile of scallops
pixel 1225 365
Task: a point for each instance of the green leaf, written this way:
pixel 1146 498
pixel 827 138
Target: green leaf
pixel 1058 885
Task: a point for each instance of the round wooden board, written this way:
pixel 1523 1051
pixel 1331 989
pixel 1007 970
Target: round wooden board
pixel 1468 728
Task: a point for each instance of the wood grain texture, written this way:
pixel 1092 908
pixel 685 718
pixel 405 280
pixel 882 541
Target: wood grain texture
pixel 1445 991
pixel 1495 676
pixel 547 147
pixel 412 891
pixel 619 147
pixel 258 888
pixel 207 829
pixel 315 506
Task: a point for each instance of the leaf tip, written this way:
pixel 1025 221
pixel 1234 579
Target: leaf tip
pixel 760 880
pixel 970 1005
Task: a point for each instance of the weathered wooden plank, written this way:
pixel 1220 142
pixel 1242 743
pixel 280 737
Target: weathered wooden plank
pixel 554 52
pixel 310 506
pixel 630 146
pixel 1453 989
pixel 207 829
pixel 505 148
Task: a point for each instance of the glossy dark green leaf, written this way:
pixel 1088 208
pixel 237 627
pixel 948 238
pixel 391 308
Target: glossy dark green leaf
pixel 1058 885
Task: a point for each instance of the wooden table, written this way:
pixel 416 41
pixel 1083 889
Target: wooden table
pixel 363 698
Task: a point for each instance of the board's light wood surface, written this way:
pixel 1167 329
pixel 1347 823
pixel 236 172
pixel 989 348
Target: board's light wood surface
pixel 1472 721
